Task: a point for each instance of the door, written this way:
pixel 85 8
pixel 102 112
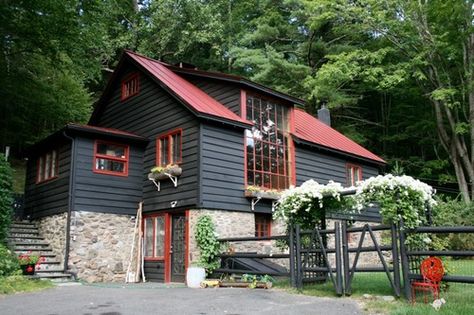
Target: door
pixel 178 247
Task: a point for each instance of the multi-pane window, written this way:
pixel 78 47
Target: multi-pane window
pixel 263 223
pixel 267 144
pixel 154 237
pixel 354 174
pixel 47 166
pixel 111 158
pixel 130 86
pixel 169 148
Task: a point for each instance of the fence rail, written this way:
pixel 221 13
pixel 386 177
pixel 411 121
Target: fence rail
pixel 309 262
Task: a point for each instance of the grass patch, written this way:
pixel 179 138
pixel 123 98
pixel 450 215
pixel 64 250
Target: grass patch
pixel 15 284
pixel 458 297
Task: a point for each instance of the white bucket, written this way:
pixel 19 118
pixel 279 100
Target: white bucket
pixel 194 277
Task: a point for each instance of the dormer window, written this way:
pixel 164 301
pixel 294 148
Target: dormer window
pixel 267 144
pixel 130 86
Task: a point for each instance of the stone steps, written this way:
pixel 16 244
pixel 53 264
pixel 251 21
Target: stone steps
pixel 24 238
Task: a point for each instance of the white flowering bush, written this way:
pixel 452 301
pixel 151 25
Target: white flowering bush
pixel 398 197
pixel 305 204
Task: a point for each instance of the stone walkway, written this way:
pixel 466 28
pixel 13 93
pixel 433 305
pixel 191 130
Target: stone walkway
pixel 118 299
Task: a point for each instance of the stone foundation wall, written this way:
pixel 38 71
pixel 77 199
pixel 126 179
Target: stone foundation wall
pixel 53 229
pixel 100 245
pixel 235 224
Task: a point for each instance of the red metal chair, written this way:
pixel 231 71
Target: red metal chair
pixel 432 271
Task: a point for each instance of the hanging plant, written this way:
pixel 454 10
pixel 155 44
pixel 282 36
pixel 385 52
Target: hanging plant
pixel 398 197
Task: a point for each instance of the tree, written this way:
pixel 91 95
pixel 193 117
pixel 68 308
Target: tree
pixel 427 42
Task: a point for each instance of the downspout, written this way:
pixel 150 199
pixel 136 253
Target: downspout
pixel 70 201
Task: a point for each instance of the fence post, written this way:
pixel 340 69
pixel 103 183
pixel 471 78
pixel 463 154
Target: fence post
pixel 292 246
pixel 299 272
pixel 396 259
pixel 337 239
pixel 345 255
pixel 404 260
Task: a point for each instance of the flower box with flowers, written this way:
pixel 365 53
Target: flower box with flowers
pixel 257 192
pixel 160 172
pixel 29 263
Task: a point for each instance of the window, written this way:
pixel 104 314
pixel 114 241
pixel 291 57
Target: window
pixel 263 224
pixel 47 166
pixel 168 148
pixel 111 158
pixel 267 144
pixel 354 174
pixel 154 237
pixel 130 86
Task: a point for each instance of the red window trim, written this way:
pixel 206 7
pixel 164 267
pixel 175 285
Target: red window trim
pixel 38 167
pixel 352 181
pixel 154 216
pixel 169 135
pixel 268 222
pixel 290 166
pixel 113 158
pixel 125 81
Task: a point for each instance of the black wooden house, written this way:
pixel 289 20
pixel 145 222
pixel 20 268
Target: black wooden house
pixel 226 133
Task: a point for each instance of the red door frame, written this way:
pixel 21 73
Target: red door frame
pixel 168 232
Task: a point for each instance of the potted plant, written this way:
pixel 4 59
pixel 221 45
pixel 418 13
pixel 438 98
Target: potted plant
pixel 257 192
pixel 28 263
pixel 163 172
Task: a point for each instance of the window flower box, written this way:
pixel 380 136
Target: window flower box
pixel 160 173
pixel 255 192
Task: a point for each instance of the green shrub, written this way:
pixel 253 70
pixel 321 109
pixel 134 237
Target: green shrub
pixel 207 243
pixel 6 197
pixel 455 213
pixel 8 262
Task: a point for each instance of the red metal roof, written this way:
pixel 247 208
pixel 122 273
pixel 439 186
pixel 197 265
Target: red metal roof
pixel 310 129
pixel 192 95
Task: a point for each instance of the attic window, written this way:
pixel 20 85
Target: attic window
pixel 267 144
pixel 168 148
pixel 130 86
pixel 354 174
pixel 47 166
pixel 111 158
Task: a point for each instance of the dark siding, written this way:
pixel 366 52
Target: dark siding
pixel 324 167
pixel 222 178
pixel 227 94
pixel 50 197
pixel 106 193
pixel 154 271
pixel 150 113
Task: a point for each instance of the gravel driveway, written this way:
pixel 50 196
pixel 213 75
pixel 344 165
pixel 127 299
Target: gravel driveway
pixel 160 299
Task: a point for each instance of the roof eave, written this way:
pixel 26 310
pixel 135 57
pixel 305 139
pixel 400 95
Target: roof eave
pixel 82 130
pixel 344 153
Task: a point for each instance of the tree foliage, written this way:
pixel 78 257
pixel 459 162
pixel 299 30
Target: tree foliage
pixel 396 74
pixel 6 198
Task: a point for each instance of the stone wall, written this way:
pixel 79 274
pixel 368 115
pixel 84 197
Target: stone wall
pixel 53 229
pixel 100 245
pixel 234 224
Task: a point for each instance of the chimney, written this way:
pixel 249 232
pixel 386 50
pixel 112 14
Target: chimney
pixel 324 115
